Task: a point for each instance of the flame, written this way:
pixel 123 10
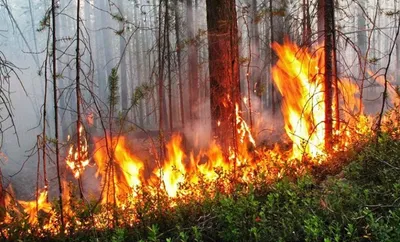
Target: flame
pixel 173 171
pixel 32 207
pixel 215 160
pixel 298 76
pixel 78 160
pixel 116 164
pixel 299 79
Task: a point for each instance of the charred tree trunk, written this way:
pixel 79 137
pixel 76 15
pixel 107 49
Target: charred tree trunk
pixel 325 34
pixel 335 72
pixel 224 68
pixel 78 92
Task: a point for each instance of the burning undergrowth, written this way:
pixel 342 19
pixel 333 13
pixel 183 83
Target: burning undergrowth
pixel 133 189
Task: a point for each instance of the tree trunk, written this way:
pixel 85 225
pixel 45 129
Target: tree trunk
pixel 325 27
pixel 255 47
pixel 122 46
pixel 78 91
pixel 107 42
pixel 55 98
pixel 321 21
pixel 193 65
pixel 361 27
pixel 149 104
pixel 224 69
pixel 272 57
pixel 139 63
pixel 397 64
pixel 306 23
pixel 167 27
pixel 161 49
pixel 335 72
pixel 178 55
pixel 2 199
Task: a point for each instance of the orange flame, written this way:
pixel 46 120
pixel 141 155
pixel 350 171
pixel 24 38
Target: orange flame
pixel 119 166
pixel 31 208
pixel 173 171
pixel 77 161
pixel 299 79
pixel 298 76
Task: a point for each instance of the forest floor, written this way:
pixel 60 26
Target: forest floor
pixel 353 197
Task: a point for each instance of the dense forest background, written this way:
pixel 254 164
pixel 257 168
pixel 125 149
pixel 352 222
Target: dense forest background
pixel 146 42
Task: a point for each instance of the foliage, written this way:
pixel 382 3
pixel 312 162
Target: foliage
pixel 113 87
pixel 140 93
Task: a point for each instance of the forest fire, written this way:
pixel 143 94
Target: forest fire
pixel 31 208
pixel 298 77
pixel 116 165
pixel 79 159
pixel 172 174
